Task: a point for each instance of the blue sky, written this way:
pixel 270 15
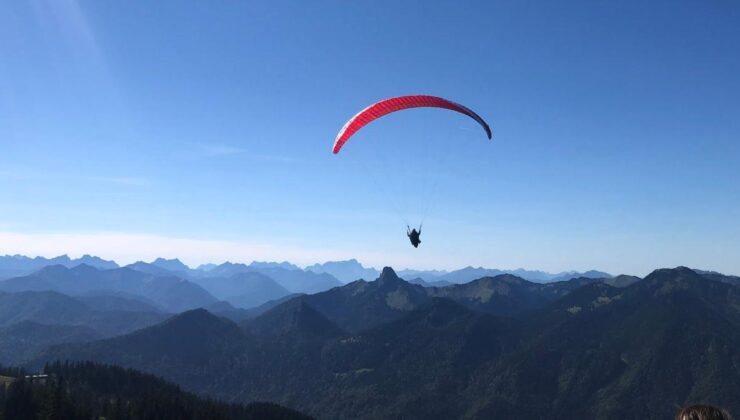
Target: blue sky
pixel 203 130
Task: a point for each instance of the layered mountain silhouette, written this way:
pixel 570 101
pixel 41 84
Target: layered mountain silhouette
pixel 171 293
pixel 31 321
pixel 468 274
pixel 18 265
pixel 361 304
pixel 351 270
pixel 286 278
pixel 285 275
pixel 243 290
pixel 500 347
pixel 54 308
pixel 299 281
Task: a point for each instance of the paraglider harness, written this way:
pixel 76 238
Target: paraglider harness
pixel 414 236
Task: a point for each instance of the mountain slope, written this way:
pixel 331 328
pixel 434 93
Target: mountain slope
pixel 180 349
pixel 82 391
pixel 43 307
pixel 117 301
pixel 413 367
pixel 53 308
pixel 293 318
pixel 25 340
pixel 637 352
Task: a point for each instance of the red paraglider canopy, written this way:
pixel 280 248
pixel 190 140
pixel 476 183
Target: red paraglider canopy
pixel 387 106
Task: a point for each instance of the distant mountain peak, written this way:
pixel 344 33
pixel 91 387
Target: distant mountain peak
pixel 18 265
pixel 198 313
pixel 346 270
pixel 270 264
pixel 388 276
pixel 295 317
pixel 509 278
pixel 53 269
pixel 165 260
pixel 171 264
pixel 199 319
pixel 388 271
pixel 82 268
pixel 679 279
pixel 206 267
pixel 672 273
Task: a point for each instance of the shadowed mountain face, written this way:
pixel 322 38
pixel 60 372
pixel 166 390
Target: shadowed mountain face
pixel 24 341
pixel 713 275
pixel 591 351
pixel 182 349
pixel 41 307
pixel 621 281
pixel 295 318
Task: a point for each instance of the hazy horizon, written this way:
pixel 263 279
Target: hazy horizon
pixel 194 264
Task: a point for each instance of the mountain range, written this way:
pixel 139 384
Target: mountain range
pixel 171 293
pixel 344 271
pixel 18 265
pixel 497 347
pixel 284 275
pixel 350 270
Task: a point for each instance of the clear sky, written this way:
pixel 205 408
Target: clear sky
pixel 203 130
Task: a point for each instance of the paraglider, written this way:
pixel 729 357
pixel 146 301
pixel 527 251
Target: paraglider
pixel 399 103
pixel 413 235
